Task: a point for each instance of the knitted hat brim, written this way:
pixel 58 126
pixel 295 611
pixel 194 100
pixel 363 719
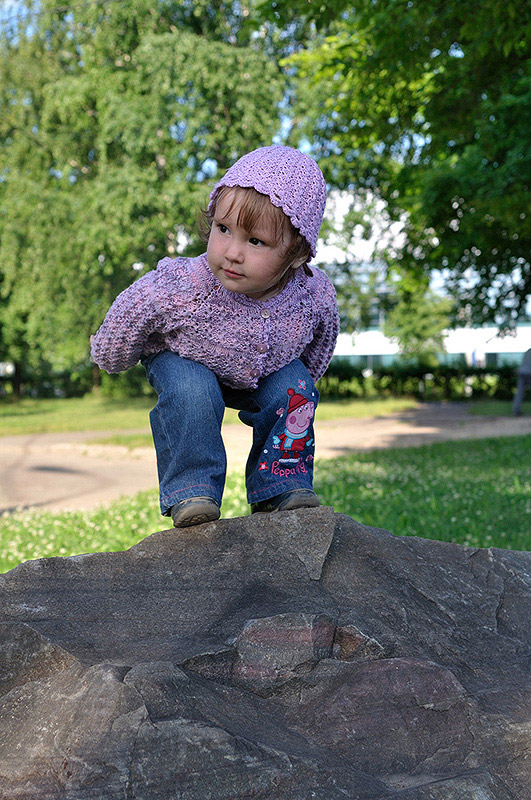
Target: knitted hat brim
pixel 301 194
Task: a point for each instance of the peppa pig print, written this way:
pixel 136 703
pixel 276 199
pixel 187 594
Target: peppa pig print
pixel 296 435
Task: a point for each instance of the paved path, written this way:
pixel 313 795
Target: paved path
pixel 62 471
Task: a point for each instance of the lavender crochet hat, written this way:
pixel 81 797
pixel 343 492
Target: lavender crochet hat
pixel 292 181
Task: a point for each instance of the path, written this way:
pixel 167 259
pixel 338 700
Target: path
pixel 60 471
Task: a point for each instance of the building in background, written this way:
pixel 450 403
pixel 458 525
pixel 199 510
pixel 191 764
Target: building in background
pixel 481 347
pixel 474 346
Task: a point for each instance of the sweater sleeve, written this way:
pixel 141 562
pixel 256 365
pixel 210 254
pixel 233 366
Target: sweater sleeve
pixel 319 351
pixel 133 316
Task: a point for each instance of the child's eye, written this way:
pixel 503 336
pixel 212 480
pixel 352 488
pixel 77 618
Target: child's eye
pixel 254 240
pixel 222 228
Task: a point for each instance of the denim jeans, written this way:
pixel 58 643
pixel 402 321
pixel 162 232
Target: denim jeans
pixel 524 381
pixel 186 426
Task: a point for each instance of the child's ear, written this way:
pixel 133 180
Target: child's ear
pixel 299 262
pixel 302 262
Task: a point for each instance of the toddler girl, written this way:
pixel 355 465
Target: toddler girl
pixel 246 325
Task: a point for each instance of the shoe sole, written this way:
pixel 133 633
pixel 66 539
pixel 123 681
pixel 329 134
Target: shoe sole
pixel 195 519
pixel 291 504
pixel 310 502
pixel 196 513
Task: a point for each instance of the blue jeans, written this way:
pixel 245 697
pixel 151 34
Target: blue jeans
pixel 186 426
pixel 524 381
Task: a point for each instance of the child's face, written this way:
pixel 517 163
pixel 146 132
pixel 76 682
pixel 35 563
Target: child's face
pixel 246 262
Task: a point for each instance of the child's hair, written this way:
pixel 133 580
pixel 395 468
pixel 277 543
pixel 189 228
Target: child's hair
pixel 253 208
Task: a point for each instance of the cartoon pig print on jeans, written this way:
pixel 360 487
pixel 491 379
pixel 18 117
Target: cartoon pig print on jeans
pixel 296 432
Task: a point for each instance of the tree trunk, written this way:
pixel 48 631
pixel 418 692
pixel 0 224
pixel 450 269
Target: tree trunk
pixel 17 380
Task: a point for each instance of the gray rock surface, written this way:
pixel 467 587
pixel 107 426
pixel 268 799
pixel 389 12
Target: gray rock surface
pixel 281 656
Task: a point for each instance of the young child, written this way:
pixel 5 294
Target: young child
pixel 246 325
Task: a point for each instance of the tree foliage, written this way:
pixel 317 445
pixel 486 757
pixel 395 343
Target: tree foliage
pixel 116 117
pixel 417 320
pixel 428 105
pixel 114 120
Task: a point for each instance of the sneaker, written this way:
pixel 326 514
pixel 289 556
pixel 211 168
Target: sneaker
pixel 297 498
pixel 194 511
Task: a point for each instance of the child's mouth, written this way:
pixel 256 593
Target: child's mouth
pixel 232 274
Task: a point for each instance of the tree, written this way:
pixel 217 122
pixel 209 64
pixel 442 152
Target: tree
pixel 114 121
pixel 428 105
pixel 354 233
pixel 417 320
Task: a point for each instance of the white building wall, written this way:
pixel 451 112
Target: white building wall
pixel 486 340
pixel 365 343
pixel 472 343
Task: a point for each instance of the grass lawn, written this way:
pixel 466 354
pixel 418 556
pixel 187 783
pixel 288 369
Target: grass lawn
pixel 474 492
pixel 73 414
pixel 497 408
pixel 95 413
pixel 98 413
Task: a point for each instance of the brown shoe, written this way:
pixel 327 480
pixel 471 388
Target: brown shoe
pixel 194 511
pixel 297 498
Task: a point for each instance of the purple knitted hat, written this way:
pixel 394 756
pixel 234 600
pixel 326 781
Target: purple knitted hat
pixel 291 180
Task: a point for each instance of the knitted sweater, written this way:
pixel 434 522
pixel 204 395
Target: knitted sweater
pixel 181 306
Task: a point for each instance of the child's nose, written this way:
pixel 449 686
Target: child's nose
pixel 234 251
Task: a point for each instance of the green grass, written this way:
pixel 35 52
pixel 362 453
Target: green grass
pixel 475 492
pixel 96 413
pixel 99 413
pixel 73 414
pixel 496 408
pixel 361 409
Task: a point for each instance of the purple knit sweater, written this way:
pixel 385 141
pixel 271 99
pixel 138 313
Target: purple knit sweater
pixel 181 306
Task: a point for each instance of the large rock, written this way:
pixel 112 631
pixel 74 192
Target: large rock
pixel 296 655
